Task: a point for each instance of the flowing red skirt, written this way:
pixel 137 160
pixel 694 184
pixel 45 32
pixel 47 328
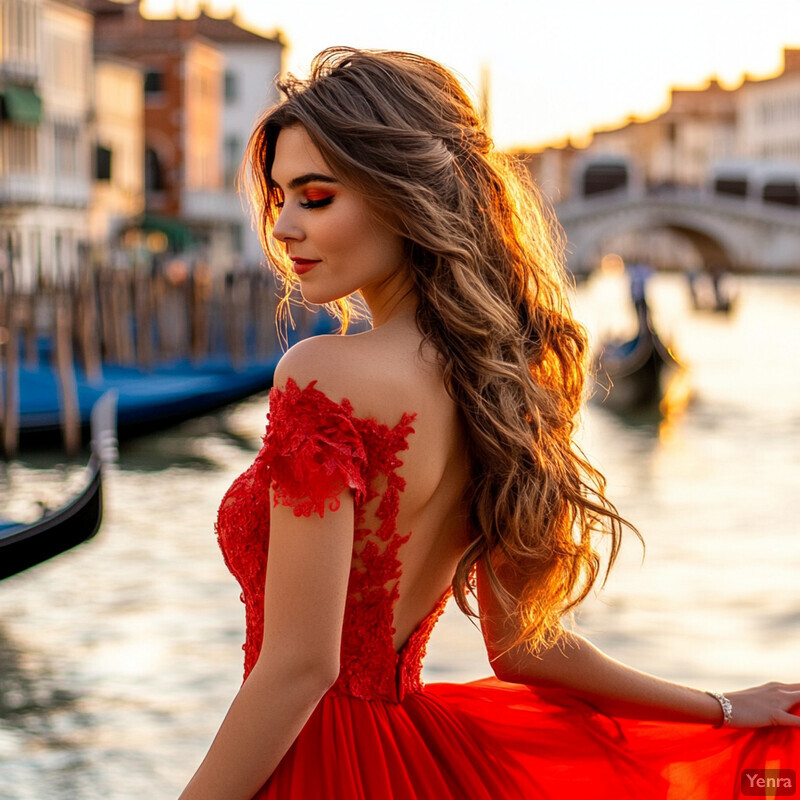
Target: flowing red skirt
pixel 490 739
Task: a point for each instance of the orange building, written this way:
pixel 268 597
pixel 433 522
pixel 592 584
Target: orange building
pixel 184 66
pixel 675 148
pixel 183 76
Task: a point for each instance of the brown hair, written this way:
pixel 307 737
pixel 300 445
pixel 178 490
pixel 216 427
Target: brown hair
pixel 486 261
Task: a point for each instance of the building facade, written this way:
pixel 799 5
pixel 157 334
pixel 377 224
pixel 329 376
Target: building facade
pixel 205 82
pixel 678 147
pixel 754 128
pixel 118 187
pixel 769 115
pixel 46 137
pixel 551 169
pixel 251 68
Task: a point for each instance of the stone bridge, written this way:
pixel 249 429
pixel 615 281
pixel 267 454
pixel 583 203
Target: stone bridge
pixel 728 232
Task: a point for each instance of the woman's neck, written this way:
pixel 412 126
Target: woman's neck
pixel 391 300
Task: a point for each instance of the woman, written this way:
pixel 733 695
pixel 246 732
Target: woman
pixel 433 453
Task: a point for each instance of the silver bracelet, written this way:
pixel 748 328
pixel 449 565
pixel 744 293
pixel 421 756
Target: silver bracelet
pixel 727 709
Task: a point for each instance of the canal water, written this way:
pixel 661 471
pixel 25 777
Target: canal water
pixel 119 659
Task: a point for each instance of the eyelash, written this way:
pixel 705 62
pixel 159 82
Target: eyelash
pixel 308 204
pixel 323 201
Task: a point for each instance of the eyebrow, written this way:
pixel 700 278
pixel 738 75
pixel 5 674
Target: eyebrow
pixel 309 177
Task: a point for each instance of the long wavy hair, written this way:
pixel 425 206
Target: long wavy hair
pixel 486 260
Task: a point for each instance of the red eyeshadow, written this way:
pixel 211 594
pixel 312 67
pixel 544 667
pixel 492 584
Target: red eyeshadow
pixel 318 194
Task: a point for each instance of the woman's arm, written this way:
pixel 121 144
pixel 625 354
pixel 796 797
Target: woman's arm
pixel 615 688
pixel 304 600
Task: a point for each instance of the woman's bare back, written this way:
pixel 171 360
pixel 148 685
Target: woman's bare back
pixel 384 374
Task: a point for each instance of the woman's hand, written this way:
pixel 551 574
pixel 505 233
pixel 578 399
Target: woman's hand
pixel 768 704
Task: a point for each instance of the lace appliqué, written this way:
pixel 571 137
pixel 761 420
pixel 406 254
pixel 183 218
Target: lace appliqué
pixel 314 449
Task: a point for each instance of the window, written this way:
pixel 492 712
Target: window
pixel 18 150
pixel 153 82
pixel 232 156
pixel 67 62
pixel 153 171
pixel 237 239
pixel 102 163
pixel 231 87
pixel 672 132
pixel 604 177
pixel 784 192
pixel 732 185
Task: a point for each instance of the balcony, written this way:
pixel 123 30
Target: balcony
pixel 73 192
pixel 19 71
pixel 35 190
pixel 23 189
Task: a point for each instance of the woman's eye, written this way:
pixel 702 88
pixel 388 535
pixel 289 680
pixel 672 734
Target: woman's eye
pixel 314 199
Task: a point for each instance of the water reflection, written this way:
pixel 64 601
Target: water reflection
pixel 29 694
pixel 198 443
pixel 39 712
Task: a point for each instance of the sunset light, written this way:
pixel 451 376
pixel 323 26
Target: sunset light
pixel 556 69
pixel 479 300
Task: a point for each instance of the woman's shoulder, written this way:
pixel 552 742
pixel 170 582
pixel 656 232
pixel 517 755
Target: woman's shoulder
pixel 384 377
pixel 376 375
pixel 319 358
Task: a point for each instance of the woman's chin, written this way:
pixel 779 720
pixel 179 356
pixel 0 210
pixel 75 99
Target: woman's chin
pixel 313 296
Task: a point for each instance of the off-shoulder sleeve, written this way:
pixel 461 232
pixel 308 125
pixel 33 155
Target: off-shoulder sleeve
pixel 312 449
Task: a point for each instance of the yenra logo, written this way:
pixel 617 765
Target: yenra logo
pixel 768 782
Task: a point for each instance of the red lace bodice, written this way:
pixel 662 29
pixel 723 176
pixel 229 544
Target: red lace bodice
pixel 313 449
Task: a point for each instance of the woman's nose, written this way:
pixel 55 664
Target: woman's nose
pixel 286 228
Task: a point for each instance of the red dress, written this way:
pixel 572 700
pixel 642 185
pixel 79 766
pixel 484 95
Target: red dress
pixel 379 733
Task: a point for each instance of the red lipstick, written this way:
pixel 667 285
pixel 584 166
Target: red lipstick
pixel 303 265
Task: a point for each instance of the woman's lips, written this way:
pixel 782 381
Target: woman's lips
pixel 303 265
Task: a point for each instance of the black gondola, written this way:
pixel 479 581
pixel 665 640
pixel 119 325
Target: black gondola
pixel 23 545
pixel 635 376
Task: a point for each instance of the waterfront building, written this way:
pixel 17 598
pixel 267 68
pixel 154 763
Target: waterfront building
pixel 205 82
pixel 252 62
pixel 769 114
pixel 713 149
pixel 118 186
pixel 677 147
pixel 551 168
pixel 702 130
pixel 755 126
pixel 45 138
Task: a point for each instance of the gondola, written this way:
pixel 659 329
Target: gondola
pixel 147 399
pixel 635 376
pixel 24 545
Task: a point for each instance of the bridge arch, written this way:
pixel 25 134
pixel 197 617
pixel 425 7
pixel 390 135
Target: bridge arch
pixel 712 249
pixel 725 232
pixel 713 252
pixel 590 232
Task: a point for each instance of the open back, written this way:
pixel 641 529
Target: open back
pixel 399 580
pixel 378 732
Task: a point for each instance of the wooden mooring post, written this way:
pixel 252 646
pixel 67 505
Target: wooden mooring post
pixel 65 373
pixel 141 317
pixel 88 333
pixel 9 360
pixel 202 286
